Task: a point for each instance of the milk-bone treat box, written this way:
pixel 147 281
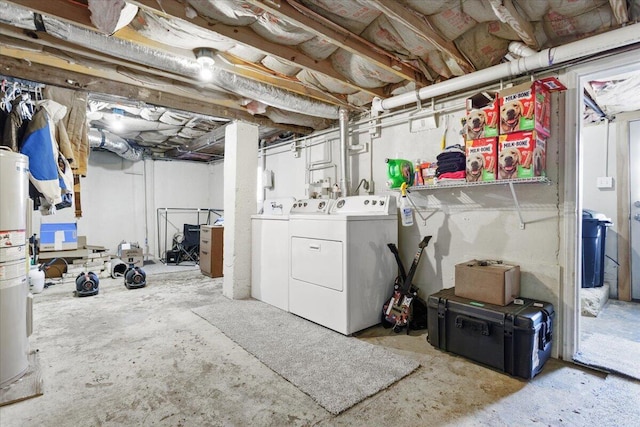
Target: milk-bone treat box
pixel 527 106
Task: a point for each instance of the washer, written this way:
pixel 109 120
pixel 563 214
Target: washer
pixel 269 252
pixel 341 269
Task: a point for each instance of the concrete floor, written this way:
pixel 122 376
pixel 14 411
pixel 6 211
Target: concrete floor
pixel 142 357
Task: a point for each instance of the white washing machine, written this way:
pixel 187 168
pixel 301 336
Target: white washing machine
pixel 342 271
pixel 270 253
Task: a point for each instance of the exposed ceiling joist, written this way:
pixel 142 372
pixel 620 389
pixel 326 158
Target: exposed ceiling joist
pixel 73 12
pixel 278 61
pixel 61 54
pixel 55 71
pixel 237 66
pixel 310 21
pixel 422 28
pixel 247 37
pixel 80 15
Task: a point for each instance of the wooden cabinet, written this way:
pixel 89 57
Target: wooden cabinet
pixel 211 246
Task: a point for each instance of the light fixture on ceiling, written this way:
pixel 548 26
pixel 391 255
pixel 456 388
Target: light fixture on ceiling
pixel 117 124
pixel 204 56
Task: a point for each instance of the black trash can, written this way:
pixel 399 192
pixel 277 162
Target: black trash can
pixel 594 232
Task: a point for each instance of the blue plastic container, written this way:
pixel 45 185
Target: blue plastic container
pixel 594 232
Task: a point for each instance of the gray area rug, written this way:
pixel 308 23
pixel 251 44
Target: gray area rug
pixel 335 370
pixel 611 353
pixel 611 341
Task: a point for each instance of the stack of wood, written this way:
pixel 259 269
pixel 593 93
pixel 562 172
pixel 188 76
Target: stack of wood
pixel 67 265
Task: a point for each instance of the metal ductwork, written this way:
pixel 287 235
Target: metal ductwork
pixel 23 18
pixel 102 139
pixel 540 60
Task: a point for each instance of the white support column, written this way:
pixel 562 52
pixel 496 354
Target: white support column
pixel 240 175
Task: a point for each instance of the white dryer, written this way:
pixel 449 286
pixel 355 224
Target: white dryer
pixel 269 252
pixel 341 269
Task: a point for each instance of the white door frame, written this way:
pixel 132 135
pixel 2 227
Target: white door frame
pixel 624 219
pixel 571 187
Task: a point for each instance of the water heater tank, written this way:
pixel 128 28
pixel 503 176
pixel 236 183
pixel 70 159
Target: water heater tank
pixel 14 288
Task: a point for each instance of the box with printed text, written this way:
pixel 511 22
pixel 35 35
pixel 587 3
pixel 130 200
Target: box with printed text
pixel 521 155
pixel 482 116
pixel 528 106
pixel 481 159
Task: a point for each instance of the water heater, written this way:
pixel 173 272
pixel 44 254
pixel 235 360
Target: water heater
pixel 14 289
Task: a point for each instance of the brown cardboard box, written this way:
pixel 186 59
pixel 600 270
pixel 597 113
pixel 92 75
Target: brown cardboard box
pixel 522 155
pixel 488 281
pixel 482 116
pixel 527 106
pixel 132 256
pixel 482 159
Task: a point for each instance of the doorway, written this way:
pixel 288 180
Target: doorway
pixel 608 300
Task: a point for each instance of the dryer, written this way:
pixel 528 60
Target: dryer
pixel 341 271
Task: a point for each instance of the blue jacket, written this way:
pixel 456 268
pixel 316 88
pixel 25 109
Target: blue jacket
pixel 40 146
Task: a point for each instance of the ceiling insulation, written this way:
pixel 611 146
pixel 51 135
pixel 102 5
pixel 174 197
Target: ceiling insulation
pixel 287 65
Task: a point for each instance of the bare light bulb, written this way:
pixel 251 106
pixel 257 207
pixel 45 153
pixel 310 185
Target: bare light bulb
pixel 204 56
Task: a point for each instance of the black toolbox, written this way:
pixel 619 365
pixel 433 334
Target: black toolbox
pixel 515 338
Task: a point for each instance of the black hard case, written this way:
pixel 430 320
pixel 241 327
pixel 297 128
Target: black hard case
pixel 515 339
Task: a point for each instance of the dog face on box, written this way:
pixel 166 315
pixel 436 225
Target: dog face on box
pixel 515 155
pixel 482 116
pixel 525 107
pixel 539 157
pixel 514 111
pixel 517 108
pixel 481 157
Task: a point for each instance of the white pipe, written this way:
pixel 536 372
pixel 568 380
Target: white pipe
pixel 546 58
pixel 520 49
pixel 343 116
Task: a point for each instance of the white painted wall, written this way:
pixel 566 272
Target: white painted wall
pixel 216 184
pixel 113 198
pixel 599 160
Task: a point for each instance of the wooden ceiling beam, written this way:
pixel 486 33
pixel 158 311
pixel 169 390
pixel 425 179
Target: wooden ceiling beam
pixel 247 37
pixel 422 29
pixel 50 70
pixel 80 15
pixel 298 15
pixel 244 69
pixel 69 11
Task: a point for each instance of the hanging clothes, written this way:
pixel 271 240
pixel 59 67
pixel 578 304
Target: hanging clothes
pixel 16 110
pixel 40 145
pixel 15 127
pixel 75 123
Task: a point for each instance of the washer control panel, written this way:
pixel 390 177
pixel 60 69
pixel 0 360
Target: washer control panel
pixel 365 205
pixel 312 206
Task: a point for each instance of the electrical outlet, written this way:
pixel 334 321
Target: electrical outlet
pixel 604 182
